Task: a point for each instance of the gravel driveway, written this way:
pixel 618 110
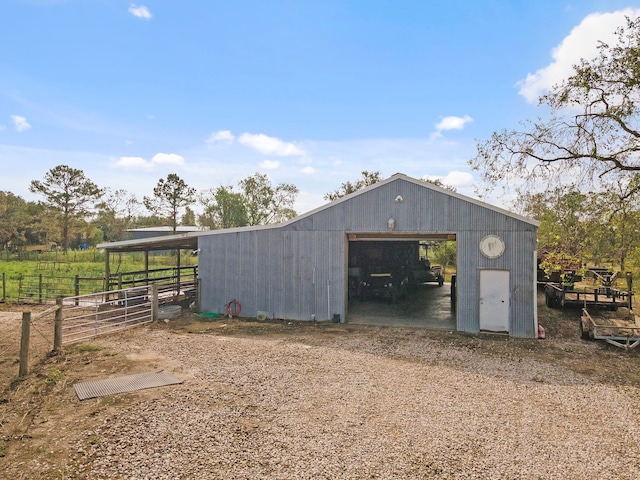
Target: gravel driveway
pixel 358 404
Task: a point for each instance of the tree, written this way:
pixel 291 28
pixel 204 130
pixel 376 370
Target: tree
pixel 367 179
pixel 267 204
pixel 41 225
pixel 614 230
pixel 146 221
pixel 565 215
pixel 116 214
pixel 223 208
pixel 444 253
pixel 169 197
pixel 439 183
pixel 592 132
pixel 189 217
pixel 12 218
pixel 68 192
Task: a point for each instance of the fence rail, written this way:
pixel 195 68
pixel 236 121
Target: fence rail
pixel 46 287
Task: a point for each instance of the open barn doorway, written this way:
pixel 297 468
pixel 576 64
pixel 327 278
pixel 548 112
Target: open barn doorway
pixel 402 280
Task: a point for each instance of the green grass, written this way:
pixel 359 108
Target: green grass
pixel 89 348
pixel 61 269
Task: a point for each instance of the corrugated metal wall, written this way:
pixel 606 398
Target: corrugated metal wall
pixel 288 274
pixel 298 270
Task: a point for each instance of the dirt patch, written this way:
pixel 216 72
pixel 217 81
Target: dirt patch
pixel 41 419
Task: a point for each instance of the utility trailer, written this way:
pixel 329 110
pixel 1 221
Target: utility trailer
pixel 607 297
pixel 623 332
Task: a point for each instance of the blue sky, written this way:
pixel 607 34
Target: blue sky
pixel 308 92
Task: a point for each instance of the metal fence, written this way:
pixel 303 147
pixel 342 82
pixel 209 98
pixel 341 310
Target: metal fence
pixel 46 287
pixel 92 315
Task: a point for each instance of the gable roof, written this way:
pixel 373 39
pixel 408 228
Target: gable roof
pixel 190 240
pixel 422 183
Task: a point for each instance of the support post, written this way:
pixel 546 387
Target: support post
pixel 40 288
pixel 146 267
pixel 178 284
pixel 154 302
pixel 77 291
pixel 107 274
pixel 24 345
pixel 4 288
pixel 57 326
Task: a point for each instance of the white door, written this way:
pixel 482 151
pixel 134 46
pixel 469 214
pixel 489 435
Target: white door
pixel 494 300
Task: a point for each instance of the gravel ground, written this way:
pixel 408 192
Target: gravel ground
pixel 359 405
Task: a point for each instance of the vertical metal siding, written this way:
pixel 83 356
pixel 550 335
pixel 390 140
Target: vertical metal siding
pixel 281 272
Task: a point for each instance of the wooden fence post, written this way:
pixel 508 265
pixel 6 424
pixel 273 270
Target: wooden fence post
pixel 57 326
pixel 4 288
pixel 40 288
pixel 24 344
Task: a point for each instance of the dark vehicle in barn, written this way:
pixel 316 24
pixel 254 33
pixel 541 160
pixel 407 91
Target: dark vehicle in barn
pixel 389 286
pixel 423 272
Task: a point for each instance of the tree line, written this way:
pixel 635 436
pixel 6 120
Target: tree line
pixel 75 211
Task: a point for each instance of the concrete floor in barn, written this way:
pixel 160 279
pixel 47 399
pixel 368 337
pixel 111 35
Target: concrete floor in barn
pixel 428 307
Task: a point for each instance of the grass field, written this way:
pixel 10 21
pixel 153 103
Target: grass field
pixel 30 271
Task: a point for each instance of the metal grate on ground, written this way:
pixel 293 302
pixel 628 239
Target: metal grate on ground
pixel 127 383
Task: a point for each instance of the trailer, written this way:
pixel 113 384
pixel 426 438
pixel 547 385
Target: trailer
pixel 620 331
pixel 607 297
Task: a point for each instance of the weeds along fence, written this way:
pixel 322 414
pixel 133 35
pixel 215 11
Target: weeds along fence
pixel 46 287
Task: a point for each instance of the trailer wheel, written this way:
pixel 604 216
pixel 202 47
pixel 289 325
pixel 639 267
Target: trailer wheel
pixel 550 301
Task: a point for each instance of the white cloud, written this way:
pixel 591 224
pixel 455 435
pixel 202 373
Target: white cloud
pixel 2 127
pixel 453 123
pixel 270 145
pixel 457 179
pixel 308 170
pixel 450 123
pixel 168 159
pixel 223 136
pixel 270 164
pixel 20 123
pixel 140 12
pixel 582 42
pixel 134 162
pixel 142 164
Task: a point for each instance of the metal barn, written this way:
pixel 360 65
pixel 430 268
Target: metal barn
pixel 301 269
